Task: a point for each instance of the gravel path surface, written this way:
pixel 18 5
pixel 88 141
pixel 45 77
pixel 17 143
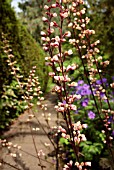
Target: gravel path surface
pixel 20 134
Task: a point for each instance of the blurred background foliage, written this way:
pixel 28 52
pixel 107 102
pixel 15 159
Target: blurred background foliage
pixel 26 50
pixel 101 13
pixel 27 53
pixel 31 16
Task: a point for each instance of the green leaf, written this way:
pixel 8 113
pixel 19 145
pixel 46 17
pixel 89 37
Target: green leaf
pixel 10 92
pixel 64 141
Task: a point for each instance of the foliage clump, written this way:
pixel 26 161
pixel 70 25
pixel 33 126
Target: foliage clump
pixel 27 54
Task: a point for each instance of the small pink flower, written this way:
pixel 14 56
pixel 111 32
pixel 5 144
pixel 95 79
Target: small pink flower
pixel 43 38
pixel 64 14
pixel 61 109
pixel 87 20
pixel 68 34
pixel 63 135
pixel 66 78
pixel 78 13
pixel 71 41
pixel 54 14
pixel 44 19
pixel 55 44
pixel 70 52
pixel 58 69
pixel 88 163
pixel 73 84
pixel 51 30
pixel 47 58
pixel 46 7
pixel 83 11
pixel 51 74
pixel 53 5
pixel 73 107
pixel 43 33
pixel 74 4
pixel 45 48
pixel 51 24
pixel 57 38
pixel 55 58
pixel 57 89
pixel 70 24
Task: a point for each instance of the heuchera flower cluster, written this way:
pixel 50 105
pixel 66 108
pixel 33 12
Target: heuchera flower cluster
pixel 78 37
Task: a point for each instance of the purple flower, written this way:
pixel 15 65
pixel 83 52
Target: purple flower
pixel 102 94
pixel 98 82
pixel 80 82
pixel 64 102
pixel 113 78
pixel 76 112
pixel 85 102
pixel 113 133
pixel 83 90
pixel 110 119
pixel 104 80
pixel 91 114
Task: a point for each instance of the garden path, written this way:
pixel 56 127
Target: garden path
pixel 20 134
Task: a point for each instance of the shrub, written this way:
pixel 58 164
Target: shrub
pixel 27 53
